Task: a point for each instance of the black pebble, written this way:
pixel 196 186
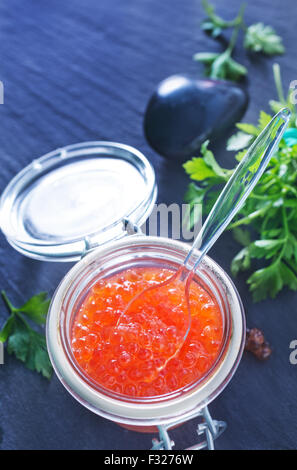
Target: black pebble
pixel 184 111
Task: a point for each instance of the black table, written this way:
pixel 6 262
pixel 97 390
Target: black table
pixel 76 71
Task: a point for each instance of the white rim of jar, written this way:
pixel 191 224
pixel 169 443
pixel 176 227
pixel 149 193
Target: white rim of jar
pixel 148 413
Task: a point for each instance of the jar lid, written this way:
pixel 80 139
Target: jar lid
pixel 75 198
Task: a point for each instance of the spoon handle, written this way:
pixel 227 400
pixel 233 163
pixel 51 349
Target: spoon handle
pixel 239 186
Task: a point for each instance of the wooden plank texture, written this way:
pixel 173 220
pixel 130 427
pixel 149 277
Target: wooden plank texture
pixel 84 70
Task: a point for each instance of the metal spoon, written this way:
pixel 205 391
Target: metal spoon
pixel 231 199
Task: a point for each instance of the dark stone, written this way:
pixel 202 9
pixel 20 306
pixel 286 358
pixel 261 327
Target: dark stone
pixel 184 111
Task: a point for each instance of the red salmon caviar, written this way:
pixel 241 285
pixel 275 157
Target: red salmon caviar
pixel 142 353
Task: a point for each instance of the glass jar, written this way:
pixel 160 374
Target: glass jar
pixel 79 203
pixel 139 250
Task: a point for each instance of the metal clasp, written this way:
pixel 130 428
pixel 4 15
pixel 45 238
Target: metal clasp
pixel 207 427
pixel 128 226
pixel 131 228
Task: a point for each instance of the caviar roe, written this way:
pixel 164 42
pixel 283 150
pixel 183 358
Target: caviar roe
pixel 144 353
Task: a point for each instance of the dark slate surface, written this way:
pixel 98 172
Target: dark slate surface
pixel 76 71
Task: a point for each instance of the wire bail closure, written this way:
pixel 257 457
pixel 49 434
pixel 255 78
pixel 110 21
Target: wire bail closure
pixel 128 226
pixel 208 427
pixel 131 228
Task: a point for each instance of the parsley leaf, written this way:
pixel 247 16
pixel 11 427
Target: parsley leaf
pixel 239 141
pixel 247 133
pixel 241 261
pixel 198 169
pixel 242 236
pixel 262 38
pixel 264 119
pixel 36 308
pixel 201 168
pixel 269 281
pixel 265 248
pixel 266 225
pixel 248 128
pixel 221 65
pixel 265 282
pixel 257 37
pixel 28 345
pixel 214 24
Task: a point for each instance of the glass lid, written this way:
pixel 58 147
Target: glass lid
pixel 75 199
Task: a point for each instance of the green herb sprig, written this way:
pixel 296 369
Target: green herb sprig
pixel 257 38
pixel 28 345
pixel 266 226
